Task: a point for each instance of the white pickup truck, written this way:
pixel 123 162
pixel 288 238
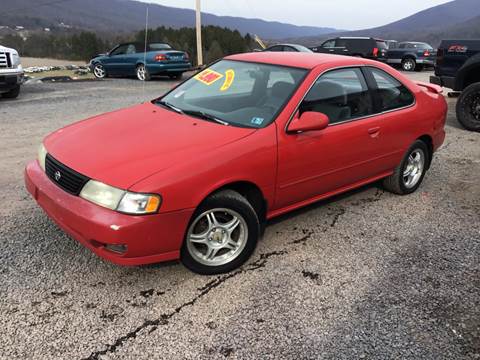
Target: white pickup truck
pixel 11 73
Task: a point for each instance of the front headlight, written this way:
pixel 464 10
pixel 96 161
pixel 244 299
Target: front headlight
pixel 41 155
pixel 15 59
pixel 120 200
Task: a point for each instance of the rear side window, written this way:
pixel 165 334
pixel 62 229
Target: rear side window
pixel 390 92
pixel 276 48
pixel 341 94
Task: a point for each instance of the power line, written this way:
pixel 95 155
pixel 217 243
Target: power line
pixel 36 5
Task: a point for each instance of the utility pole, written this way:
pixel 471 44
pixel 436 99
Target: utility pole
pixel 199 33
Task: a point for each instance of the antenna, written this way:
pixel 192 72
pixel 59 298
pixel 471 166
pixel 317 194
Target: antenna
pixel 145 50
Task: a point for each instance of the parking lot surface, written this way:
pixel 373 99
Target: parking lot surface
pixel 364 275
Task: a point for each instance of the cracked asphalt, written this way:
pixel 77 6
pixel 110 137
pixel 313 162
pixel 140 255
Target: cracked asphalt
pixel 364 275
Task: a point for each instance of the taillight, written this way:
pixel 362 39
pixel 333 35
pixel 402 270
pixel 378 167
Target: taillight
pixel 375 52
pixel 160 57
pixel 426 53
pixel 186 56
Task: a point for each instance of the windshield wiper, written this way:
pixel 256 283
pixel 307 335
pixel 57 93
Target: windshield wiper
pixel 203 115
pixel 170 106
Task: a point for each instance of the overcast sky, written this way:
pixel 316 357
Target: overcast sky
pixel 340 14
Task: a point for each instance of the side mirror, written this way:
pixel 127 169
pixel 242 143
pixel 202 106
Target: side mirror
pixel 308 121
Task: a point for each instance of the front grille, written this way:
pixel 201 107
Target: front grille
pixel 66 178
pixel 5 61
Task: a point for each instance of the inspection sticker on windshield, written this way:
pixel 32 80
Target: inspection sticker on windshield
pixel 229 77
pixel 208 77
pixel 257 121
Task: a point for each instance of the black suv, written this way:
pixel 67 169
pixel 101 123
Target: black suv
pixel 458 68
pixel 365 47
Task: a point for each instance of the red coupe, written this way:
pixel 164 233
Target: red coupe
pixel 195 174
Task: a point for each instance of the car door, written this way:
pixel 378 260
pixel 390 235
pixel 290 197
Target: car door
pixel 115 63
pixel 320 162
pixel 132 54
pixel 396 114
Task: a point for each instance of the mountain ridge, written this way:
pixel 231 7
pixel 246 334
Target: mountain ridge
pixel 129 16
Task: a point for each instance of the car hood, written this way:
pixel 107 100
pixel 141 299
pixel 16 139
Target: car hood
pixel 123 147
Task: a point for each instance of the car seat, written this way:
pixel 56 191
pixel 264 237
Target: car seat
pixel 330 98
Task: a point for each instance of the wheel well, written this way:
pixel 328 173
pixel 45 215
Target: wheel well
pixel 472 76
pixel 408 57
pixel 252 193
pixel 428 141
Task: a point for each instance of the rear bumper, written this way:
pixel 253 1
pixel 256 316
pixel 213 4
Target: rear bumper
pixel 158 69
pixel 10 81
pixel 428 62
pixel 445 81
pixel 148 239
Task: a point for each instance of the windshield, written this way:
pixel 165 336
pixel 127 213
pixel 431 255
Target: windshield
pixel 236 93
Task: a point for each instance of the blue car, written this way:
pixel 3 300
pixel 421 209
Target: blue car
pixel 130 59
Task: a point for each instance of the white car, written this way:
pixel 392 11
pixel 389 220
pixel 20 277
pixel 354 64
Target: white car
pixel 11 73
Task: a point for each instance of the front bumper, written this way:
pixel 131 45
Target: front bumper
pixel 148 239
pixel 10 81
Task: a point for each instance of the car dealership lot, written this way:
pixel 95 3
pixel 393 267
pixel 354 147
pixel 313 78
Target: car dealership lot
pixel 368 274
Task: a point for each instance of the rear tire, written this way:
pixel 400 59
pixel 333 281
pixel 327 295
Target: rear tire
pixel 409 64
pixel 12 94
pixel 408 176
pixel 468 108
pixel 142 73
pixel 222 234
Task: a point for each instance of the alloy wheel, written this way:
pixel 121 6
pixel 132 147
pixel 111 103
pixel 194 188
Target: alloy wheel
pixel 408 65
pixel 413 170
pixel 99 71
pixel 141 72
pixel 217 236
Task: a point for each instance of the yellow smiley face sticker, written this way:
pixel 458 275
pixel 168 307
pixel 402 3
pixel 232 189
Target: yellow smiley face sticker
pixel 229 77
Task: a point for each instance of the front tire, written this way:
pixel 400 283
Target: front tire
pixel 222 234
pixel 408 176
pixel 99 71
pixel 12 94
pixel 409 64
pixel 142 73
pixel 468 108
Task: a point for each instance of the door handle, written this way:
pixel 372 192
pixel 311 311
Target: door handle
pixel 374 132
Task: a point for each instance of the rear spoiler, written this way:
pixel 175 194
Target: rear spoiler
pixel 430 87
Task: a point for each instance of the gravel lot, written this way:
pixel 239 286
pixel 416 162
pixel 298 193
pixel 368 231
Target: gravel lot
pixel 365 275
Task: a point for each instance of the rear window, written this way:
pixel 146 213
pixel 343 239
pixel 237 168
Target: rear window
pixel 382 44
pixel 159 46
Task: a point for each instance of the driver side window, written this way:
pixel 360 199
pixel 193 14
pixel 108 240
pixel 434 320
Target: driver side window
pixel 341 94
pixel 329 44
pixel 121 50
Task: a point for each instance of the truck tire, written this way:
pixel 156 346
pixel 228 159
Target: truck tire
pixel 12 94
pixel 409 64
pixel 468 108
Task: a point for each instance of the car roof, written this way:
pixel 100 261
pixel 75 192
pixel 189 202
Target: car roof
pixel 297 59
